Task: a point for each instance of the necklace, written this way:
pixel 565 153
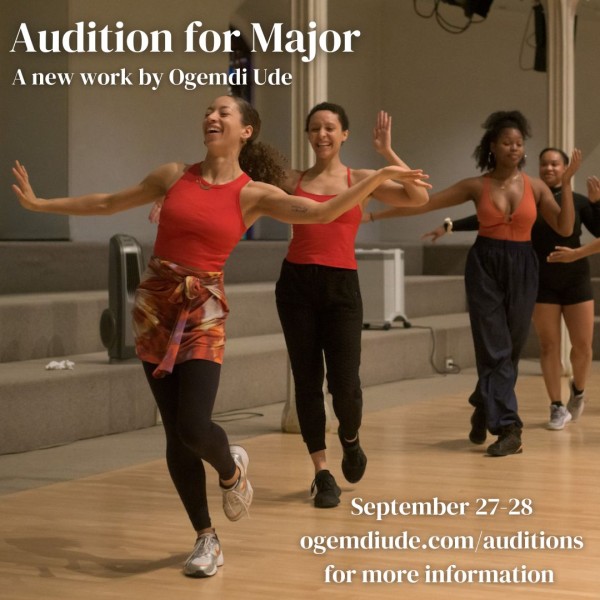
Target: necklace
pixel 508 181
pixel 206 185
pixel 203 183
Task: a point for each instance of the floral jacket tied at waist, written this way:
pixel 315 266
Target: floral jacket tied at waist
pixel 179 314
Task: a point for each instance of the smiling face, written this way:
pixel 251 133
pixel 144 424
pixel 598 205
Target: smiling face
pixel 223 127
pixel 509 147
pixel 325 133
pixel 552 167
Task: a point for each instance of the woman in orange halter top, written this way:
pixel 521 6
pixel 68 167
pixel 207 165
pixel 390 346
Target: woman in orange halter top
pixel 501 274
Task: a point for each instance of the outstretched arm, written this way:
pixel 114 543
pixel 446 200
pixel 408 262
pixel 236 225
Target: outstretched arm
pixel 470 223
pixel 564 254
pixel 463 191
pixel 261 199
pixel 151 188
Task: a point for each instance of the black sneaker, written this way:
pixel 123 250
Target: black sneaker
pixel 354 461
pixel 327 491
pixel 478 431
pixel 508 442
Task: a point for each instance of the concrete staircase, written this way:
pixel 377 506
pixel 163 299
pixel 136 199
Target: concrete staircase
pixel 52 296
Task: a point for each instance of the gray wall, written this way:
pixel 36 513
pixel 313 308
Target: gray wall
pixel 438 87
pixel 33 121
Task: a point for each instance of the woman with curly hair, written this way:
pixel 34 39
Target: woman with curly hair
pixel 180 307
pixel 564 291
pixel 501 274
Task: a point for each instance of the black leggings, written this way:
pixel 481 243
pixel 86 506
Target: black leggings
pixel 185 400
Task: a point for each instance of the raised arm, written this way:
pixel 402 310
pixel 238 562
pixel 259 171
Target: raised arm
pixel 590 213
pixel 261 199
pixel 391 192
pixel 150 189
pixel 560 218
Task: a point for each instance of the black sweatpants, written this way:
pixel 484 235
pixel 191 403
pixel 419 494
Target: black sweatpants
pixel 185 400
pixel 501 280
pixel 320 310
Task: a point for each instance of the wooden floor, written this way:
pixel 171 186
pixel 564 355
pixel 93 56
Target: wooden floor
pixel 123 535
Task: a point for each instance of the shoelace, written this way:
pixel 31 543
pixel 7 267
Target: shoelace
pixel 204 545
pixel 326 484
pixel 239 497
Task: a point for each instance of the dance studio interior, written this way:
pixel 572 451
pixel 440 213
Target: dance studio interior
pixel 97 95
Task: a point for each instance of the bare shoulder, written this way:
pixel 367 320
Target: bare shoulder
pixel 253 191
pixel 474 183
pixel 290 182
pixel 541 191
pixel 358 175
pixel 536 183
pixel 165 175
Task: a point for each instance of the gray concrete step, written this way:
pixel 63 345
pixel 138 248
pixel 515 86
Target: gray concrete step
pixel 64 323
pixel 53 407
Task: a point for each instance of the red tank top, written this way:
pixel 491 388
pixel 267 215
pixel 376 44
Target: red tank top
pixel 329 244
pixel 494 224
pixel 200 223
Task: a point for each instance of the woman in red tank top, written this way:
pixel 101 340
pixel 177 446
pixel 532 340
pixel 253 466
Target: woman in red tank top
pixel 181 306
pixel 318 297
pixel 501 275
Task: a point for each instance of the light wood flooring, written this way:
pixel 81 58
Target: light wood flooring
pixel 122 534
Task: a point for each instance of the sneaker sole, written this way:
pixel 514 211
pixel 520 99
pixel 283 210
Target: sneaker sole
pixel 568 418
pixel 202 574
pixel 576 414
pixel 477 440
pixel 494 455
pixel 318 505
pixel 338 493
pixel 243 456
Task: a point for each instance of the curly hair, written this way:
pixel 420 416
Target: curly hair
pixel 494 125
pixel 260 161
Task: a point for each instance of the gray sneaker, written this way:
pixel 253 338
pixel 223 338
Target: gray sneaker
pixel 237 499
pixel 576 403
pixel 559 417
pixel 205 558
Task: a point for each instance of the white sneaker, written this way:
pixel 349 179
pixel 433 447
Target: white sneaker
pixel 576 403
pixel 559 417
pixel 205 558
pixel 237 499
